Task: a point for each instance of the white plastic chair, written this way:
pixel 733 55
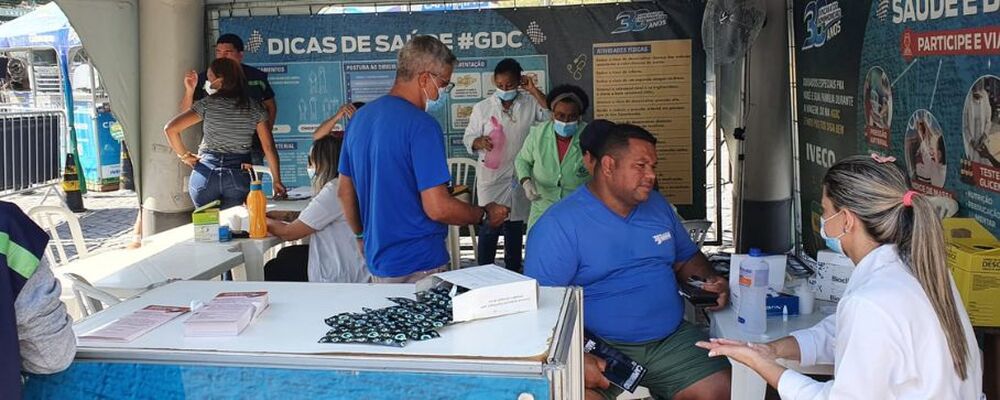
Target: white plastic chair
pixel 261 172
pixel 90 299
pixel 48 217
pixel 698 229
pixel 462 170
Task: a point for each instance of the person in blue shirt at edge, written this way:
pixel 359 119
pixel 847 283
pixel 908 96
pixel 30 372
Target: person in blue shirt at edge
pixel 394 172
pixel 623 243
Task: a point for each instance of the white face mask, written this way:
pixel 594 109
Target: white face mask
pixel 209 89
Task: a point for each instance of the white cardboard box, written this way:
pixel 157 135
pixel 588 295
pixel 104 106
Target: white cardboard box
pixel 492 291
pixel 833 271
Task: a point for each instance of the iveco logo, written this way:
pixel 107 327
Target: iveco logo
pixel 820 156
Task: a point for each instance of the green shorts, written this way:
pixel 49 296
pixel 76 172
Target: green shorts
pixel 672 363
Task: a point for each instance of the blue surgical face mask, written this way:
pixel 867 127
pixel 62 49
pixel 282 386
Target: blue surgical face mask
pixel 434 105
pixel 506 95
pixel 832 243
pixel 312 173
pixel 565 129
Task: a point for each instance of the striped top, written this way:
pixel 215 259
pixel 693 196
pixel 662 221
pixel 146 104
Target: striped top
pixel 227 128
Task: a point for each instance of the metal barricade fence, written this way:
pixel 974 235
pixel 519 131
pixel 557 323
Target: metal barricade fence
pixel 31 147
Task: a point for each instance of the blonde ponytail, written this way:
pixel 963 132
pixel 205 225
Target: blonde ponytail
pixel 874 192
pixel 928 262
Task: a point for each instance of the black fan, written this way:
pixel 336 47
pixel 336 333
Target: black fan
pixel 729 27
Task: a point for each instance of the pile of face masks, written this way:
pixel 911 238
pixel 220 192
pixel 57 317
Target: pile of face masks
pixel 395 325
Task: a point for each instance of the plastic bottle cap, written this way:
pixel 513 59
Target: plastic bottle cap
pixel 755 252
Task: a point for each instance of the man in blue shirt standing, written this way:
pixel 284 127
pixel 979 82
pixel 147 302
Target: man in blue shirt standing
pixel 623 243
pixel 394 172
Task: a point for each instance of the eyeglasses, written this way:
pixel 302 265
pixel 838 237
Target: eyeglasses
pixel 448 86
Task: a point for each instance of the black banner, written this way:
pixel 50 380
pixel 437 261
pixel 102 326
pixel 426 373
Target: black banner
pixel 912 79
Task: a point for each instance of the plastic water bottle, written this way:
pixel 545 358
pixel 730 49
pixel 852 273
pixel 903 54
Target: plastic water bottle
pixel 257 206
pixel 499 139
pixel 752 313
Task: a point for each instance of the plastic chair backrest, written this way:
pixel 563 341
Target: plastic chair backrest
pixel 698 229
pixel 48 218
pixel 261 171
pixel 264 174
pixel 90 299
pixel 462 171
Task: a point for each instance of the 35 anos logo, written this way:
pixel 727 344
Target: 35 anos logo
pixel 639 20
pixel 822 22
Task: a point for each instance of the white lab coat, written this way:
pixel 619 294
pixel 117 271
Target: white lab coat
pixel 928 169
pixel 500 185
pixel 885 342
pixel 976 125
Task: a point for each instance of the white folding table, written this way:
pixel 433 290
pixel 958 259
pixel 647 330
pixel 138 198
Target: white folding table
pixel 524 356
pixel 174 254
pixel 747 384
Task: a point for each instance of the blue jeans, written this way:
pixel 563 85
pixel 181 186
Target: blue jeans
pixel 513 238
pixel 218 176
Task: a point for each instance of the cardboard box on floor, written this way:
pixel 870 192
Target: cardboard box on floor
pixel 974 259
pixel 486 291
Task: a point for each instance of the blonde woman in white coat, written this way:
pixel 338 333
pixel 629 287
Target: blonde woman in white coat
pixel 900 330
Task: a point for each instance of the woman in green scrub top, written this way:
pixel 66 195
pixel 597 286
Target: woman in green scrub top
pixel 550 165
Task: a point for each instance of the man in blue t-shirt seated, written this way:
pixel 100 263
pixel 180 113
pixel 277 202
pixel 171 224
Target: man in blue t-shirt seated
pixel 623 243
pixel 394 172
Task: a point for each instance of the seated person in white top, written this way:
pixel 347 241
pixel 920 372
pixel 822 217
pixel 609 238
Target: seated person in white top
pixel 333 252
pixel 900 330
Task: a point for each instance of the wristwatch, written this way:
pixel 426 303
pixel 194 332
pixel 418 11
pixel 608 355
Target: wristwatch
pixel 486 216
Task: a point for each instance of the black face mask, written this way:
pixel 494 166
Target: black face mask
pixel 395 325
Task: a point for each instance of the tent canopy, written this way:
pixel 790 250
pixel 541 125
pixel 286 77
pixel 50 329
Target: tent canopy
pixel 46 26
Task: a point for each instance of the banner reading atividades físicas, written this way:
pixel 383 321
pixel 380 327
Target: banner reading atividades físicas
pixel 640 62
pixel 915 79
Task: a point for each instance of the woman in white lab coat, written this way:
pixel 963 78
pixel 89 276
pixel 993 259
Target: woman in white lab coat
pixel 900 330
pixel 514 107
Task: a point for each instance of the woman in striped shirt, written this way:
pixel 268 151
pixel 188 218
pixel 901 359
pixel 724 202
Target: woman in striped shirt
pixel 230 119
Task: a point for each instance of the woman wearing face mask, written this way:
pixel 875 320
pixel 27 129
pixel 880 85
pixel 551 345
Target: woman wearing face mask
pixel 550 165
pixel 230 118
pixel 900 330
pixel 506 116
pixel 332 254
